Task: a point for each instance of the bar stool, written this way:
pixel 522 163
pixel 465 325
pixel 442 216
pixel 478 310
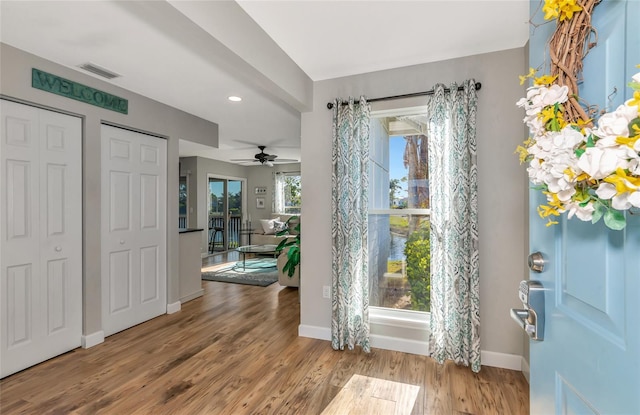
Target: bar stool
pixel 213 233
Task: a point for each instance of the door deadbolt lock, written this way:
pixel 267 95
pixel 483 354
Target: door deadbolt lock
pixel 536 262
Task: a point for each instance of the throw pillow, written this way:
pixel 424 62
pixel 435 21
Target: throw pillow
pixel 280 226
pixel 268 225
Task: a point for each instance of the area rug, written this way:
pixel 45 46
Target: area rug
pixel 257 271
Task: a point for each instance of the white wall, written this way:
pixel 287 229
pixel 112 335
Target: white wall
pixel 501 189
pixel 262 176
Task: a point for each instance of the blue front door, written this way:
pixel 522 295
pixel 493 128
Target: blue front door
pixel 589 360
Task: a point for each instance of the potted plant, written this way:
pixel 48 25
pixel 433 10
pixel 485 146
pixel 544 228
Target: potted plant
pixel 293 245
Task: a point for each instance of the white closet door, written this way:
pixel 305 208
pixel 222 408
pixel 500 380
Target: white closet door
pixel 134 200
pixel 40 235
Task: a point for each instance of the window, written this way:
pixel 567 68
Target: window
pixel 288 193
pixel 182 202
pixel 399 253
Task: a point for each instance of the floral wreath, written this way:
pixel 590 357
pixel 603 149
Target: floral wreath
pixel 589 171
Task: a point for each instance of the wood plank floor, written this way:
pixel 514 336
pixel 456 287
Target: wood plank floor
pixel 236 351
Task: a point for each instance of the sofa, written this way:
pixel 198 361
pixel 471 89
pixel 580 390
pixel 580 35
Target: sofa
pixel 264 234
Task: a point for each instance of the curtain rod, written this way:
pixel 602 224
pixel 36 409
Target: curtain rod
pixel 414 94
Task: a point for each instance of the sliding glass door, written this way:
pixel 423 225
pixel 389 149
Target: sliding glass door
pixel 226 206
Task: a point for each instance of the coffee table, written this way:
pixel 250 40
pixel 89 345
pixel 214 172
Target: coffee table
pixel 256 249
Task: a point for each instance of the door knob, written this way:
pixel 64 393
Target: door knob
pixel 121 241
pixel 58 248
pixel 536 262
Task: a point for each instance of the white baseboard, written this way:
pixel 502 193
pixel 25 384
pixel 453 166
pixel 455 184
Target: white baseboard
pixel 400 345
pixel 191 296
pixel 314 332
pixel 174 307
pixel 502 360
pixel 494 359
pixel 92 339
pixel 525 369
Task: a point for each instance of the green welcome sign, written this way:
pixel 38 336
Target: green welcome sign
pixel 61 86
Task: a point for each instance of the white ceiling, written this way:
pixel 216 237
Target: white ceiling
pixel 331 39
pixel 153 43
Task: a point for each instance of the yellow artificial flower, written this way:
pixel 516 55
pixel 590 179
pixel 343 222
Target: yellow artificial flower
pixel 551 223
pixel 567 8
pixel 531 74
pixel 570 173
pixel 545 80
pixel 555 202
pixel 554 120
pixel 628 141
pixel 582 177
pixel 523 153
pixel 544 211
pixel 550 9
pixel 622 182
pixel 634 101
pixel 582 123
pixel 562 9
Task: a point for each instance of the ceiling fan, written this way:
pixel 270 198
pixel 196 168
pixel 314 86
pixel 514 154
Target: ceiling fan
pixel 265 159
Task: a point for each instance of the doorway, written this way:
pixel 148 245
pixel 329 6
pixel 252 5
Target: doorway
pixel 226 203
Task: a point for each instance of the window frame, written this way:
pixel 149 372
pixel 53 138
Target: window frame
pixel 275 194
pixel 413 325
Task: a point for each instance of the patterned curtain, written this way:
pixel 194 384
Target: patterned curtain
pixel 278 193
pixel 453 173
pixel 349 203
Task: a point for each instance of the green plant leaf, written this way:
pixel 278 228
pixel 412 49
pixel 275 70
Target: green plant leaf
pixel 597 214
pixel 580 152
pixel 636 122
pixel 590 142
pixel 614 220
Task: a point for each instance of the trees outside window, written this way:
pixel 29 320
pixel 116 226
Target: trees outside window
pixel 288 193
pixel 399 248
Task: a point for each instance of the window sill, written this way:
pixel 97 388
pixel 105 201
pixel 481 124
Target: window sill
pixel 412 320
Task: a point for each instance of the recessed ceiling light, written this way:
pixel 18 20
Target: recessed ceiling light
pixel 234 98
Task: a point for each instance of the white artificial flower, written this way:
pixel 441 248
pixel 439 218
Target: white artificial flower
pixel 539 97
pixel 636 77
pixel 554 153
pixel 634 166
pixel 565 195
pixel 598 163
pixel 606 191
pixel 634 199
pixel 614 124
pixel 584 213
pixel 621 201
pixel 556 93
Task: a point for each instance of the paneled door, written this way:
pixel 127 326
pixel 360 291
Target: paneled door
pixel 40 235
pixel 133 228
pixel 589 360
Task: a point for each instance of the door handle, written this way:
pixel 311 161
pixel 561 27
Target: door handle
pixel 58 248
pixel 524 318
pixel 531 318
